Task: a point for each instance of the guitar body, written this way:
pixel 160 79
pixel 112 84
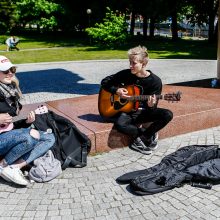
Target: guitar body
pixel 111 104
pixel 4 128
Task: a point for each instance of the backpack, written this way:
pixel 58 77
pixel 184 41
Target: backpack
pixel 45 168
pixel 71 146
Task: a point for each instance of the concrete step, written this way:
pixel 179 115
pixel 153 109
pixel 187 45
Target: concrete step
pixel 198 109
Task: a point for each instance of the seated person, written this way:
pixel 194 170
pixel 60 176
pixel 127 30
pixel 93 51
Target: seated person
pixel 144 139
pixel 24 143
pixel 11 43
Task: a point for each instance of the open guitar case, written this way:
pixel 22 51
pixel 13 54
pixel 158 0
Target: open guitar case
pixel 197 165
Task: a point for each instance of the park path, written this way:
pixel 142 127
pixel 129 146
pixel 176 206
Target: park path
pixel 91 192
pixel 57 80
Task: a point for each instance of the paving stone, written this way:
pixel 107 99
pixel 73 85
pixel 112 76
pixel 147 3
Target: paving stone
pixel 92 192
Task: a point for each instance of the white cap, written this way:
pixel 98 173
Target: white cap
pixel 5 63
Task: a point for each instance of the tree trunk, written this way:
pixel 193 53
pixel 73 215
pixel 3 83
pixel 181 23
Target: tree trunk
pixel 152 27
pixel 145 24
pixel 132 23
pixel 38 28
pixel 211 28
pixel 174 27
pixel 218 63
pixel 211 15
pixel 216 32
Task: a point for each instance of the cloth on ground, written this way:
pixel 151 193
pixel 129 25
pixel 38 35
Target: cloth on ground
pixel 45 168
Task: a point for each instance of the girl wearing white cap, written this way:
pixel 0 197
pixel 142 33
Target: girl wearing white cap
pixel 23 144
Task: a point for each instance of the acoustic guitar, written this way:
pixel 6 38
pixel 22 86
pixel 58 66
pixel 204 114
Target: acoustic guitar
pixel 110 104
pixel 38 111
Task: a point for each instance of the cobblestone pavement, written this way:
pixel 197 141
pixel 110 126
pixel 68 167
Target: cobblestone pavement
pixel 92 192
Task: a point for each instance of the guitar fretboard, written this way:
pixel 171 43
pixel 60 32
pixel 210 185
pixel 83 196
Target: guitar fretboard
pixel 19 117
pixel 142 97
pixel 40 110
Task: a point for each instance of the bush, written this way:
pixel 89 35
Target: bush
pixel 111 33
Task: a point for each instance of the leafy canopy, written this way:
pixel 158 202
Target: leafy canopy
pixel 111 32
pixel 40 12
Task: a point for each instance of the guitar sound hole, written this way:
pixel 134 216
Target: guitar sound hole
pixel 123 101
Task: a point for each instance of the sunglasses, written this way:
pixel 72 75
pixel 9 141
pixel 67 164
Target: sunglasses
pixel 12 70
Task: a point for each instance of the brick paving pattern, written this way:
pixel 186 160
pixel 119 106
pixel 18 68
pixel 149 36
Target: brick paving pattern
pixel 92 192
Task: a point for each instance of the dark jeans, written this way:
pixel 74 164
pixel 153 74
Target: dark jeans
pixel 127 123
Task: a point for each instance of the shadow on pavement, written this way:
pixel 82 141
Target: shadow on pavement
pixel 7 183
pixel 91 117
pixel 204 83
pixel 56 81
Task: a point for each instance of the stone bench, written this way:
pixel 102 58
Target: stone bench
pixel 198 109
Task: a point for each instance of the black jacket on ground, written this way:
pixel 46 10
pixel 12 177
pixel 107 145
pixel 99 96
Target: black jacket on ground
pixel 195 163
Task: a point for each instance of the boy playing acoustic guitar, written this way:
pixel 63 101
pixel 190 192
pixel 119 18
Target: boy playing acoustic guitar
pixel 128 120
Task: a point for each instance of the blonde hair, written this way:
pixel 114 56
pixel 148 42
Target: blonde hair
pixel 15 81
pixel 140 53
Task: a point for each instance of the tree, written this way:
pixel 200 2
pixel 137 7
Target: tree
pixel 7 18
pixel 111 32
pixel 42 13
pixel 173 12
pixel 75 13
pixel 172 9
pixel 155 11
pixel 203 11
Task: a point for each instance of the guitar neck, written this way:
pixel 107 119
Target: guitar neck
pixel 38 111
pixel 17 118
pixel 143 97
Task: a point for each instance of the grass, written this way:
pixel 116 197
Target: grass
pixel 48 49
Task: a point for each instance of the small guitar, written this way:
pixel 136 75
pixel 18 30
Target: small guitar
pixel 110 104
pixel 40 110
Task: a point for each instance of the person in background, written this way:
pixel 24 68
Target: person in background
pixel 24 143
pixel 144 139
pixel 11 43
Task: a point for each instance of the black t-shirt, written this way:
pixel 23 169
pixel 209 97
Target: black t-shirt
pixel 149 85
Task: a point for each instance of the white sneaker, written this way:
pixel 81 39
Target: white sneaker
pixel 14 174
pixel 4 177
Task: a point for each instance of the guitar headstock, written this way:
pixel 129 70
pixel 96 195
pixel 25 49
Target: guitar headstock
pixel 173 97
pixel 41 110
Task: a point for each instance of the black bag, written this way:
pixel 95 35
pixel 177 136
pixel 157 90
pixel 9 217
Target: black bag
pixel 71 146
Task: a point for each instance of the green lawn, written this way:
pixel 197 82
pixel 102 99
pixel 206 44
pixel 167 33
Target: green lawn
pixel 48 49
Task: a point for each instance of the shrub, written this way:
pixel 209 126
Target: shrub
pixel 112 32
